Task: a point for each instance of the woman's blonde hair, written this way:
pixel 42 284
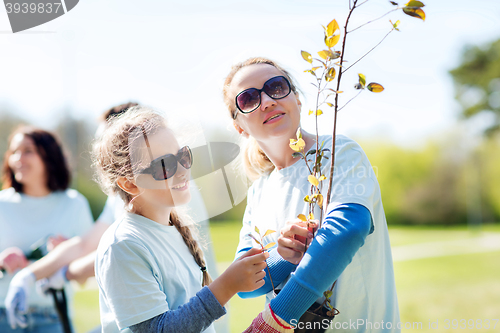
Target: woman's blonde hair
pixel 111 156
pixel 255 161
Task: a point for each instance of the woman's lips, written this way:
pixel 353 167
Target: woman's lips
pixel 275 117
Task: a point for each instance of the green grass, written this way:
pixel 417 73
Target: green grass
pixel 430 289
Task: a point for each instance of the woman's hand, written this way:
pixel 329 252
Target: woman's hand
pixel 244 274
pixel 12 259
pixel 53 241
pixel 292 242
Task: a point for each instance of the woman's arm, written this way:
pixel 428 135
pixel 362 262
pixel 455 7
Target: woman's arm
pixel 343 232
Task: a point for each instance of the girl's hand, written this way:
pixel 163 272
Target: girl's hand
pixel 12 259
pixel 292 242
pixel 244 274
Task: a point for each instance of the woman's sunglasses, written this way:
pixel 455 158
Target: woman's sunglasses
pixel 165 166
pixel 249 100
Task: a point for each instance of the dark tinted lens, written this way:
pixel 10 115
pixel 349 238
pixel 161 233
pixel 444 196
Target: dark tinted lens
pixel 248 100
pixel 277 87
pixel 184 157
pixel 164 168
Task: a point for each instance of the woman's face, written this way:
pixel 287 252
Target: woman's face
pixel 171 192
pixel 273 118
pixel 25 162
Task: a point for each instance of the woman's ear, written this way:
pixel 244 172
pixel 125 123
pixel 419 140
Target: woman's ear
pixel 128 186
pixel 240 130
pixel 298 99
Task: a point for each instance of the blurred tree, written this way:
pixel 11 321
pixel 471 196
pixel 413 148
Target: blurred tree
pixel 477 82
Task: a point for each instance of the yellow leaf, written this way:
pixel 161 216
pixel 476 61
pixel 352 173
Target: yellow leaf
pixel 331 41
pixel 362 80
pixel 268 232
pixel 298 134
pixel 297 145
pixel 310 217
pixel 324 54
pixel 319 200
pixel 330 75
pixel 257 230
pixel 415 12
pixel 302 217
pixel 395 25
pixel 317 113
pixel 313 180
pixel 375 87
pixel 270 245
pixel 322 177
pixel 332 27
pixel 307 199
pixel 329 104
pixel 414 3
pixel 307 56
pixel 255 239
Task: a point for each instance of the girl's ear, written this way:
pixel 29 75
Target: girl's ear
pixel 240 130
pixel 128 186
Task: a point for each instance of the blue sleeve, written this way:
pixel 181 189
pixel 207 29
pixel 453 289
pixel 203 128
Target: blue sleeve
pixel 343 232
pixel 280 269
pixel 194 316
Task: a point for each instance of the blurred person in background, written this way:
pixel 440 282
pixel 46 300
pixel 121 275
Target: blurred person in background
pixel 35 204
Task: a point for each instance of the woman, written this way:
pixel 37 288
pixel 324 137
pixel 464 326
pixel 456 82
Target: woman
pixel 35 204
pixel 352 247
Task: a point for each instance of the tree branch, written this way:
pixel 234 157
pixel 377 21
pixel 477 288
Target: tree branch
pixel 345 70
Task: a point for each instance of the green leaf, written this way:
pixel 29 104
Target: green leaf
pixel 270 245
pixel 395 25
pixel 394 3
pixel 307 56
pixel 330 74
pixel 296 154
pixel 257 230
pixel 328 294
pixel 375 87
pixel 414 12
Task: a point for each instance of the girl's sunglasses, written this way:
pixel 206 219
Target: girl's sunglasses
pixel 165 166
pixel 249 100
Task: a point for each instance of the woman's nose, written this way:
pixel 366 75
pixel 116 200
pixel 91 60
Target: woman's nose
pixel 266 101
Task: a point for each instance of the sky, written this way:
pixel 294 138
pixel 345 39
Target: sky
pixel 174 56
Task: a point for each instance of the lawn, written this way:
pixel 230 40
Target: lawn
pixel 432 289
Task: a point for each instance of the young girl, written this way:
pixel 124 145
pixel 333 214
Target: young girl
pixel 149 267
pixel 352 247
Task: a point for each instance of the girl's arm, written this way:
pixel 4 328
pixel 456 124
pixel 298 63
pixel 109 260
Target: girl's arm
pixel 194 316
pixel 245 274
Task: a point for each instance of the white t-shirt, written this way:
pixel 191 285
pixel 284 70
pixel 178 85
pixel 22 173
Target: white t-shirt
pixel 366 289
pixel 24 220
pixel 143 269
pixel 113 209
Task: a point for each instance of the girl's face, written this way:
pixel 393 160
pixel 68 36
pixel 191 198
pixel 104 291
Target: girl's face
pixel 25 162
pixel 171 192
pixel 273 118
